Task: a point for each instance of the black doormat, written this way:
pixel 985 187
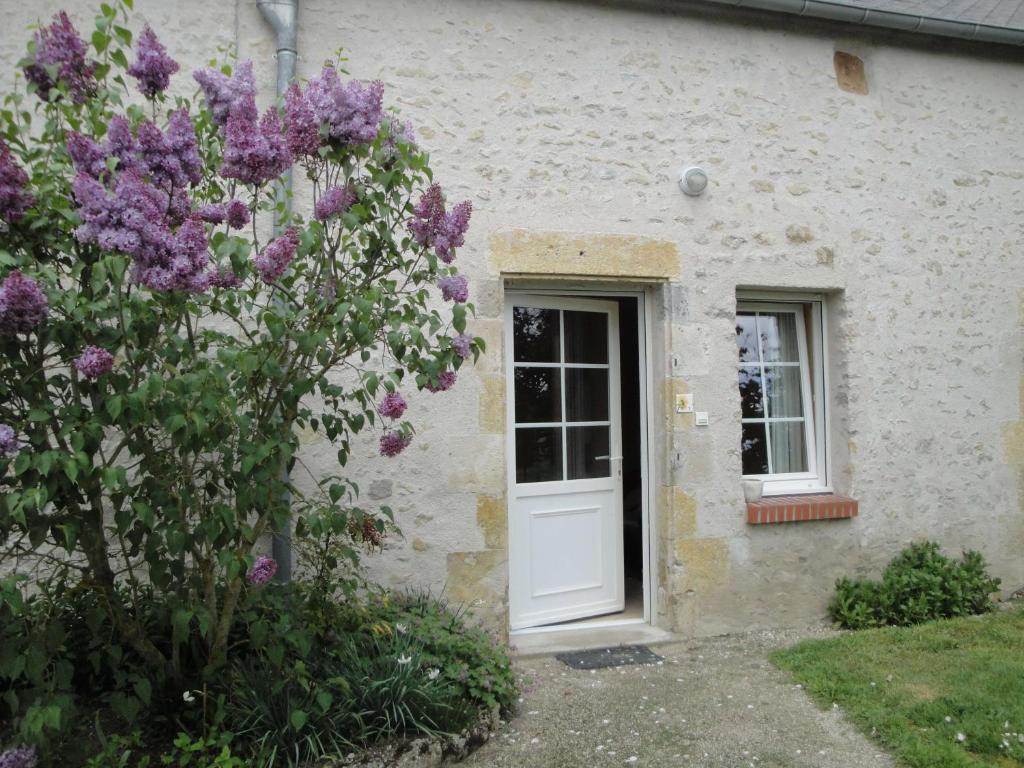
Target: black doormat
pixel 602 658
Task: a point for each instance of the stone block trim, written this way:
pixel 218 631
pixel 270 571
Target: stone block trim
pixel 795 509
pixel 567 254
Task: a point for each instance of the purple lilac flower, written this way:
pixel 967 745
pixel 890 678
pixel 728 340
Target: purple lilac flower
pixel 393 443
pixel 334 201
pixel 171 159
pixel 120 143
pixel 454 288
pixel 302 127
pixel 180 262
pixel 213 213
pixel 129 218
pixel 276 257
pixel 433 227
pixel 23 305
pixel 253 153
pixel 225 278
pixel 19 757
pixel 353 112
pixel 229 96
pixel 262 571
pixel 86 155
pixel 14 198
pixel 461 345
pixel 9 445
pixel 445 381
pixel 238 214
pixel 94 362
pixel 152 66
pixel 59 45
pixel 392 406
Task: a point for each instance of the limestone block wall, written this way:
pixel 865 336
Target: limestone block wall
pixel 897 190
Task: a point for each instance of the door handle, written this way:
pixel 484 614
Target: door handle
pixel 607 458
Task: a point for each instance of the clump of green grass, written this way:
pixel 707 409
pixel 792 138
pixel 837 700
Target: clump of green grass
pixel 943 694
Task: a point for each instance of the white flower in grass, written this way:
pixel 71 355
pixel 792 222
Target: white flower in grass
pixel 432 674
pixel 188 697
pixel 404 659
pixel 961 737
pixel 401 629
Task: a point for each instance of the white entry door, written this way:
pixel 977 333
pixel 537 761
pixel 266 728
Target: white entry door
pixel 565 459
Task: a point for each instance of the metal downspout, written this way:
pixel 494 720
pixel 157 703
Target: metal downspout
pixel 282 16
pixel 906 22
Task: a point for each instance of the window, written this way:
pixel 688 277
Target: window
pixel 781 375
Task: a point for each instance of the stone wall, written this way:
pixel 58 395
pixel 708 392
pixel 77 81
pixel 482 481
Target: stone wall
pixel 897 188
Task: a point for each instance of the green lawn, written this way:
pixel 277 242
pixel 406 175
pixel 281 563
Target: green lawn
pixel 946 693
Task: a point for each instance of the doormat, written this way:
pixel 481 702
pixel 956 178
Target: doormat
pixel 602 658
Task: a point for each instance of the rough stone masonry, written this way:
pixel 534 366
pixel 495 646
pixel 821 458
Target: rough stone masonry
pixel 894 186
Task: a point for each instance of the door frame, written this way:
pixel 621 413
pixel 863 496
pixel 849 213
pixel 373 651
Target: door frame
pixel 647 457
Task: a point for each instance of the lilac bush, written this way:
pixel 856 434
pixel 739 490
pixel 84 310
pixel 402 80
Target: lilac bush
pixel 161 355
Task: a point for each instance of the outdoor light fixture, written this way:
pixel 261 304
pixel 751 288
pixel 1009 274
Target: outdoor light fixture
pixel 693 181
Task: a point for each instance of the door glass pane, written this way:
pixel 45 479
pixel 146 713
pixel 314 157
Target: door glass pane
pixel 755 450
pixel 782 386
pixel 584 445
pixel 586 337
pixel 778 337
pixel 538 454
pixel 538 395
pixel 586 394
pixel 535 335
pixel 788 452
pixel 751 404
pixel 746 337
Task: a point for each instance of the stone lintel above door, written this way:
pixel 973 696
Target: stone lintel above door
pixel 573 254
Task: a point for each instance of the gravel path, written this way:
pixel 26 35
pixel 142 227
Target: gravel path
pixel 714 703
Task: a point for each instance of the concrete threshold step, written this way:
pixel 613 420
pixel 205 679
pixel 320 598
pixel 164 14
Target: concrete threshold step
pixel 561 639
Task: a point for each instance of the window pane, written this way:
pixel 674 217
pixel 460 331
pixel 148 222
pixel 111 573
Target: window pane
pixel 778 337
pixel 788 451
pixel 538 454
pixel 755 450
pixel 752 406
pixel 746 337
pixel 538 395
pixel 584 445
pixel 535 335
pixel 586 394
pixel 586 337
pixel 782 384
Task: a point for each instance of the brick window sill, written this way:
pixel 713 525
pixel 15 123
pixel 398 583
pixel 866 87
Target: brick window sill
pixel 798 509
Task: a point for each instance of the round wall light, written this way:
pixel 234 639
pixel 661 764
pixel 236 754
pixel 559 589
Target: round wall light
pixel 693 181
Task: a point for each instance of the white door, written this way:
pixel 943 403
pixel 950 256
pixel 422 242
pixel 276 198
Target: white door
pixel 565 459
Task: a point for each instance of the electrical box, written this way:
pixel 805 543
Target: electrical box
pixel 684 403
pixel 700 418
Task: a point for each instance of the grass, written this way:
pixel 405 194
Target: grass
pixel 939 695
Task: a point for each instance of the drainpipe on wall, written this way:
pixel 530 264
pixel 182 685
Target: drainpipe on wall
pixel 282 16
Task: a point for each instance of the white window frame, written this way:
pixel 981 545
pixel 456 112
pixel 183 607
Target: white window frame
pixel 814 385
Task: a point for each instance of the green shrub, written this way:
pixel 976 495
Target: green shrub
pixel 328 677
pixel 920 584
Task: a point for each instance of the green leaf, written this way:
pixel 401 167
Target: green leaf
pixel 100 41
pixel 180 620
pixel 176 422
pixel 298 719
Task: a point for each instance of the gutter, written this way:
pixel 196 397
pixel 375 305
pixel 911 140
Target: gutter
pixel 904 22
pixel 282 17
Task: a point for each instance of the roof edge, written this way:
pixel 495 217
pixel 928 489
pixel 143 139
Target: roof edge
pixel 853 14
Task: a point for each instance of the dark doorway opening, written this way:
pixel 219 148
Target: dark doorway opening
pixel 632 457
